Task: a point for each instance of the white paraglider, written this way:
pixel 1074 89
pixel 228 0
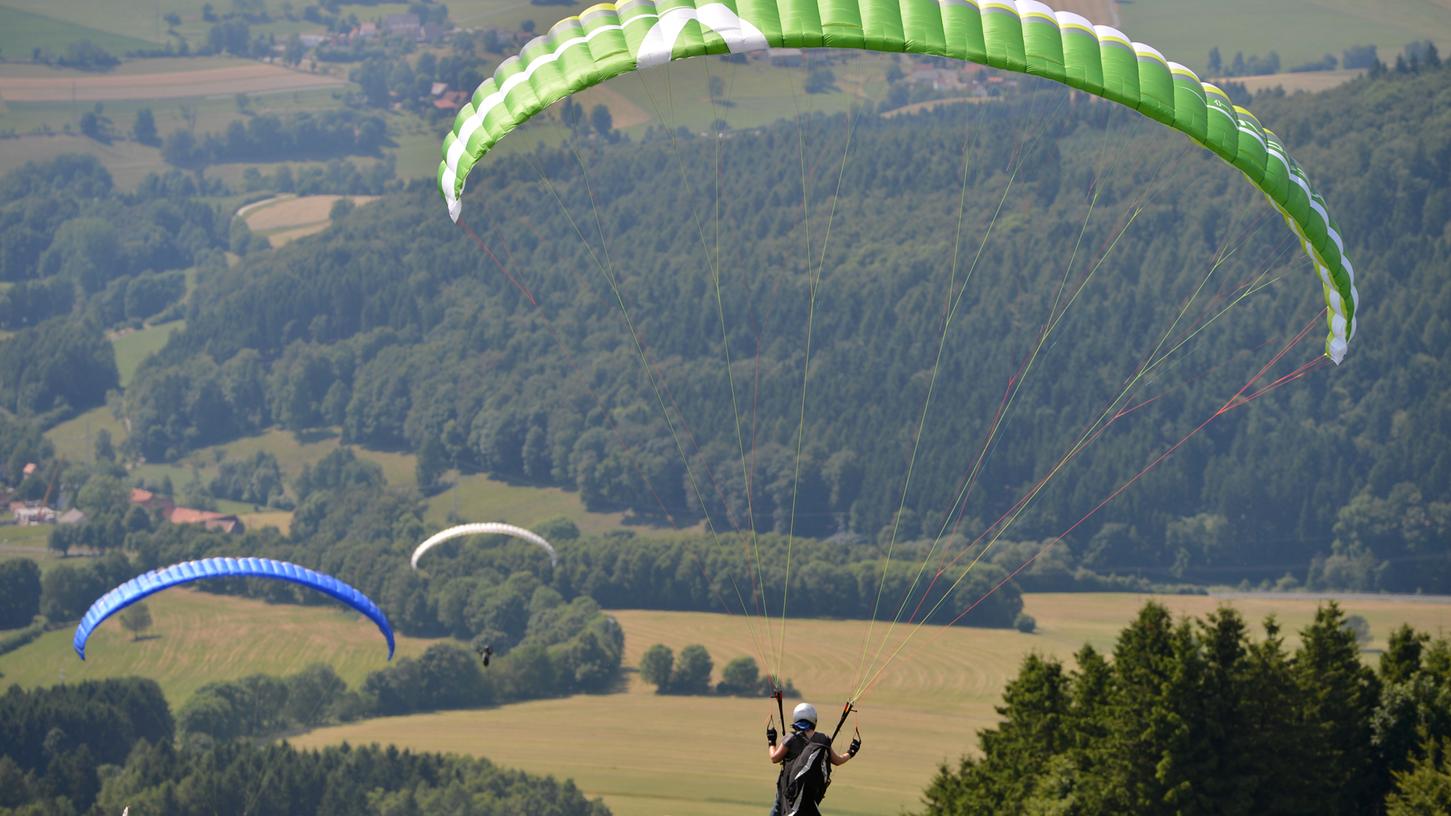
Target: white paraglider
pixel 487 528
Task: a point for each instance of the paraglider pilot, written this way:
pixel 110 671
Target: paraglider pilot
pixel 806 759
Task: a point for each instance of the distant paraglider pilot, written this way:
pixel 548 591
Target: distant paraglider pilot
pixel 486 652
pixel 806 759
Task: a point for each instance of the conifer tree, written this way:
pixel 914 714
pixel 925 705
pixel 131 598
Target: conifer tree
pixel 1337 695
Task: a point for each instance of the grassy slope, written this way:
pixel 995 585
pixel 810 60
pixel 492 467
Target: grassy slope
pixel 200 638
pixel 127 162
pixel 927 707
pixel 1300 30
pixel 74 439
pixel 505 14
pixel 133 347
pixel 22 30
pixel 472 497
pixel 480 498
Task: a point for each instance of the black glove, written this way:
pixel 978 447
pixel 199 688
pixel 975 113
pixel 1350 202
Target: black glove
pixel 771 735
pixel 856 745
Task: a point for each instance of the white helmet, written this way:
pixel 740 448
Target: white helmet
pixel 804 711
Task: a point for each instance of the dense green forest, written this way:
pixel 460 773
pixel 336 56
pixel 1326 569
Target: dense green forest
pixel 100 747
pixel 1191 717
pixel 397 327
pixel 77 258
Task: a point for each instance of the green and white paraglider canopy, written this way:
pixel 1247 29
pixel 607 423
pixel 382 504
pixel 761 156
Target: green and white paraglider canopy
pixel 1026 36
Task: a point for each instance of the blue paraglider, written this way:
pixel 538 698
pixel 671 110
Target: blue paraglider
pixel 188 571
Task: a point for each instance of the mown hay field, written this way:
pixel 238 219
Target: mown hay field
pixel 287 218
pixel 197 638
pixel 647 754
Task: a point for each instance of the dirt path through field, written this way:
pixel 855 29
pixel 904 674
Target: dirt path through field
pixel 252 78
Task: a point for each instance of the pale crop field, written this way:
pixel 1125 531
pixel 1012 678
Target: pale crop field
pixel 647 754
pixel 288 218
pixel 1307 82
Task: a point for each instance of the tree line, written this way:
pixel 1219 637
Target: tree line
pixel 348 523
pixel 1199 716
pixel 101 747
pixel 271 137
pixel 690 673
pixel 570 649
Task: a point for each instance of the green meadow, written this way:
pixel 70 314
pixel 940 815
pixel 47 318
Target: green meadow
pixel 197 638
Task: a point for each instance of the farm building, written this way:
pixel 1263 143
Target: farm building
pixel 212 521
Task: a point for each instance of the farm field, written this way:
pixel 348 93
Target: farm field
pixel 27 542
pixel 1308 81
pixel 926 709
pixel 1299 30
pixel 141 21
pixel 287 218
pixel 127 162
pixel 186 78
pixel 23 29
pixel 755 93
pixel 211 113
pixel 277 519
pixel 200 638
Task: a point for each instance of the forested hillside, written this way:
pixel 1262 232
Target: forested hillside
pixel 1202 717
pixel 399 328
pixel 78 258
